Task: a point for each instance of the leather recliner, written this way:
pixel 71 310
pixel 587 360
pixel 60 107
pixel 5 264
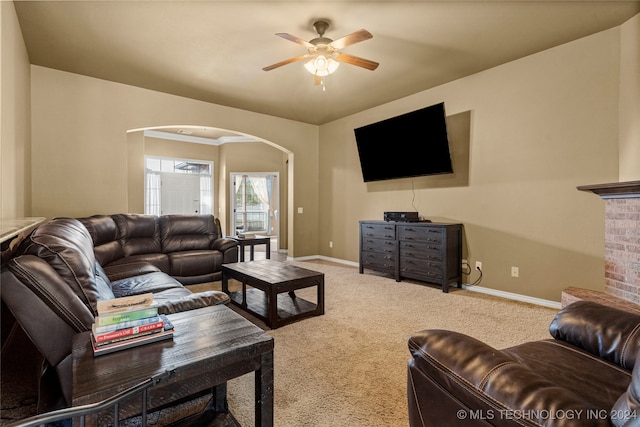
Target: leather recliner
pixel 587 375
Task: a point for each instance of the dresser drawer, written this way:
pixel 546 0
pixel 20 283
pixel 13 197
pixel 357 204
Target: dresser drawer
pixel 421 269
pixel 426 251
pixel 380 231
pixel 378 261
pixel 371 244
pixel 421 233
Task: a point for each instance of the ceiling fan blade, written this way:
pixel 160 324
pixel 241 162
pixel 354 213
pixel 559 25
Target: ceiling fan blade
pixel 354 60
pixel 285 62
pixel 295 39
pixel 353 38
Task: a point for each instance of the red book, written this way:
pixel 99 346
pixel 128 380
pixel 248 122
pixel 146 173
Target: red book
pixel 128 332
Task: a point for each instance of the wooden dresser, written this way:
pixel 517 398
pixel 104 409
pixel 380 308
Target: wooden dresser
pixel 426 251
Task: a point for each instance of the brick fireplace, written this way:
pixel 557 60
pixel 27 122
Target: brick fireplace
pixel 622 247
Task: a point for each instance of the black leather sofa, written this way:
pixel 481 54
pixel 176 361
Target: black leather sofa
pixel 190 248
pixel 53 278
pixel 588 374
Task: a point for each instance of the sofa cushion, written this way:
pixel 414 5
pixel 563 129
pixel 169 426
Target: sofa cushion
pixel 119 271
pixel 194 263
pixel 151 282
pixel 139 234
pixel 158 260
pixel 187 232
pixel 603 331
pixel 169 294
pixel 65 244
pixel 105 234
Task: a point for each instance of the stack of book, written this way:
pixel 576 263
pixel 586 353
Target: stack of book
pixel 128 322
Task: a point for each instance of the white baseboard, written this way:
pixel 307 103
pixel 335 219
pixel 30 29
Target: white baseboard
pixel 513 296
pixel 326 258
pixel 479 289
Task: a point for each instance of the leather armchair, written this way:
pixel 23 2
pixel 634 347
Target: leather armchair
pixel 573 379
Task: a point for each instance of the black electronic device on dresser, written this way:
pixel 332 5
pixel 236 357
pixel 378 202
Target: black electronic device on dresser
pixel 426 251
pixel 402 216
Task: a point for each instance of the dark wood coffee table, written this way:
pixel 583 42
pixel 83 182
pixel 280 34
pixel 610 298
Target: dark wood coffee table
pixel 211 346
pixel 269 280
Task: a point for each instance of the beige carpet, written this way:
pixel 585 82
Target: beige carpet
pixel 348 367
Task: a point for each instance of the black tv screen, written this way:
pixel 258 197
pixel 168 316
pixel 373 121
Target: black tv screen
pixel 409 145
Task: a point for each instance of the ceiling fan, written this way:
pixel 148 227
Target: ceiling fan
pixel 323 54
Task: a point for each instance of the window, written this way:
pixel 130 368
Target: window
pixel 178 186
pixel 255 203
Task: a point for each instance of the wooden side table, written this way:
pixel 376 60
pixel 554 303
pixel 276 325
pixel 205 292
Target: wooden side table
pixel 211 346
pixel 251 242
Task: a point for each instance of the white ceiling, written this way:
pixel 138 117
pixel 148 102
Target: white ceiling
pixel 215 50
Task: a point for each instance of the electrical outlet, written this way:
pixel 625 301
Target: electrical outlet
pixel 515 272
pixel 330 244
pixel 479 265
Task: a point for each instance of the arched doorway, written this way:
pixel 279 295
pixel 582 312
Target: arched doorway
pixel 230 151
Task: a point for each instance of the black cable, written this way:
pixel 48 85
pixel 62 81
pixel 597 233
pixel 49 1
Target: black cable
pixel 413 191
pixel 468 271
pixel 479 279
pixel 468 268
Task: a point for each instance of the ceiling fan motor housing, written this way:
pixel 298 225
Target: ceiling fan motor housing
pixel 321 27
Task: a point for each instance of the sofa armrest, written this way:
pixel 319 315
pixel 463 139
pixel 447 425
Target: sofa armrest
pixel 228 247
pixel 603 331
pixel 192 302
pixel 49 312
pixel 487 380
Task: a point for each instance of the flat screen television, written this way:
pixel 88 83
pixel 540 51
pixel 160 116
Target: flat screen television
pixel 409 145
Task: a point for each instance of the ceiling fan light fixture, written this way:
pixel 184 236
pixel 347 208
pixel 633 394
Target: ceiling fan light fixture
pixel 321 65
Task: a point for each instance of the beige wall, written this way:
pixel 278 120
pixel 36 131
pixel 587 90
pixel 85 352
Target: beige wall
pixel 83 159
pixel 630 100
pixel 540 126
pixel 15 126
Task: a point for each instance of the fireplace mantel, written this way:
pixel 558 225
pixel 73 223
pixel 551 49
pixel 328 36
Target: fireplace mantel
pixel 614 190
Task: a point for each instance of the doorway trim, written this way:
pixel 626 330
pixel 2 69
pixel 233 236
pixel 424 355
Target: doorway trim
pixel 232 203
pixel 135 173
